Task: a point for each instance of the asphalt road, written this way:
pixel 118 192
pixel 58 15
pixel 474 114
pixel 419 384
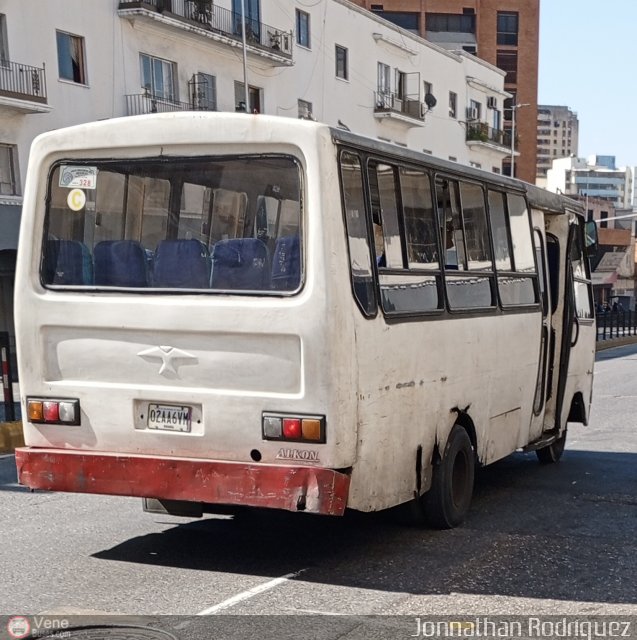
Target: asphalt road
pixel 539 540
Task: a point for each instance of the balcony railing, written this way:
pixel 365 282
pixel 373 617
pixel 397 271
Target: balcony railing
pixel 482 132
pixel 142 103
pixel 405 105
pixel 219 20
pixel 22 82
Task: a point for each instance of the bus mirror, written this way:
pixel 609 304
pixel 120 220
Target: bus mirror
pixel 590 238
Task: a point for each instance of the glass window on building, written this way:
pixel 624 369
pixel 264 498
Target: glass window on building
pixel 71 57
pixel 305 110
pixel 204 92
pixel 508 61
pixel 9 183
pixel 341 62
pixel 4 42
pixel 158 77
pixel 303 28
pixel 508 28
pixel 403 19
pixel 453 104
pixel 255 96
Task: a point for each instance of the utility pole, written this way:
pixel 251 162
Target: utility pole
pixel 245 56
pixel 514 108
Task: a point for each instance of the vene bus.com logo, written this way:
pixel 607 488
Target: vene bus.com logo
pixel 18 627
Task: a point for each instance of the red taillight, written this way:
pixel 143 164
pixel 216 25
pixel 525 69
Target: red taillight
pixel 310 429
pixel 291 428
pixel 51 412
pixel 64 411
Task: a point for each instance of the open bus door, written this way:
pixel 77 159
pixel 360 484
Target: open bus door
pixel 570 343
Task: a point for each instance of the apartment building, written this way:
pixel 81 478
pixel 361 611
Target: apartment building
pixel 593 177
pixel 70 61
pixel 557 137
pixel 505 33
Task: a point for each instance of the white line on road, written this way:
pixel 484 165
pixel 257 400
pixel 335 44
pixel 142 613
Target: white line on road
pixel 246 595
pixel 6 455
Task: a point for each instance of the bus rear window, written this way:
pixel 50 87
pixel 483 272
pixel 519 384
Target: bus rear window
pixel 229 224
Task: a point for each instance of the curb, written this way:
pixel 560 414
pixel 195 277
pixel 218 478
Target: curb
pixel 602 345
pixel 11 436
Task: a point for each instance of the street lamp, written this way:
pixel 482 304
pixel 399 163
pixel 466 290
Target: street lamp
pixel 513 109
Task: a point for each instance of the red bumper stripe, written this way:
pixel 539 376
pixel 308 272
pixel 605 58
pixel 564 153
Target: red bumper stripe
pixel 310 489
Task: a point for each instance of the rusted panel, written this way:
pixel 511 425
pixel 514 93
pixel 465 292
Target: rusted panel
pixel 310 489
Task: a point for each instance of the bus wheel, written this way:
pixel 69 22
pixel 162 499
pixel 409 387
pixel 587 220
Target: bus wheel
pixel 553 452
pixel 447 502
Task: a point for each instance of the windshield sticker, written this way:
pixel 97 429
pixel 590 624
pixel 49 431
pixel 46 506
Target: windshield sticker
pixel 76 199
pixel 83 177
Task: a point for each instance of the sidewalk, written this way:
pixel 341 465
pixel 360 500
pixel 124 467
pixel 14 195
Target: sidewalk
pixel 10 436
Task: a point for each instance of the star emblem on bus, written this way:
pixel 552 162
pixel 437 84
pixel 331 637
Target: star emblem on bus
pixel 170 358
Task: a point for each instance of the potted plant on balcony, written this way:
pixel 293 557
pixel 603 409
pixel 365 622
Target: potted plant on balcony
pixel 478 131
pixel 202 11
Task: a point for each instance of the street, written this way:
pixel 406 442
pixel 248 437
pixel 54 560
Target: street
pixel 539 540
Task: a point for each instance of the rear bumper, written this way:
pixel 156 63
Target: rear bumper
pixel 315 490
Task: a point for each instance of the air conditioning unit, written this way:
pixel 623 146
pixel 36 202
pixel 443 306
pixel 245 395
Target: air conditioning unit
pixel 472 113
pixel 397 104
pixel 492 102
pixel 414 108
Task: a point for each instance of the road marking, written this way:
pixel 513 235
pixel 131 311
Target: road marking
pixel 6 455
pixel 246 595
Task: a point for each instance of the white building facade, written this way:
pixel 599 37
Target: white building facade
pixel 595 177
pixel 70 61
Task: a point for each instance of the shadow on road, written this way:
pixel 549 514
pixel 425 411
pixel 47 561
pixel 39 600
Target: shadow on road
pixel 565 531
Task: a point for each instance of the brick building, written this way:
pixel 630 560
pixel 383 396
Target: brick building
pixel 502 32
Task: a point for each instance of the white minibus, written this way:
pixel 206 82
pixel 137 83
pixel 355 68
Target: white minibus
pixel 217 310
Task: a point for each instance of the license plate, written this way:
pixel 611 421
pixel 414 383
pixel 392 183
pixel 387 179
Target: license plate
pixel 169 417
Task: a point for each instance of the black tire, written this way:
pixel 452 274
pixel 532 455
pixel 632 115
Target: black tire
pixel 553 452
pixel 447 502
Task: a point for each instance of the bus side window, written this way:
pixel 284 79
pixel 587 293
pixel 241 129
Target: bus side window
pixel 451 224
pixel 357 234
pixel 474 215
pixel 420 221
pixel 389 254
pixel 401 211
pixel 464 291
pixel 513 249
pixel 581 281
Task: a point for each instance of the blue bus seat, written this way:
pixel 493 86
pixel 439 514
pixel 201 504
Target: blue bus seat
pixel 286 264
pixel 68 262
pixel 182 263
pixel 240 263
pixel 120 263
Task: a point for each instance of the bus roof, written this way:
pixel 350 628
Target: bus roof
pixel 537 197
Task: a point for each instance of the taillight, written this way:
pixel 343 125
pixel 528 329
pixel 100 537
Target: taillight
pixel 293 428
pixel 53 411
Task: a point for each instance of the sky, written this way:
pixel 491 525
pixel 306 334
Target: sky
pixel 588 62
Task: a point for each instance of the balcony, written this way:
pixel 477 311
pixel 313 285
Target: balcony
pixel 480 133
pixel 218 24
pixel 23 88
pixel 142 103
pixel 405 109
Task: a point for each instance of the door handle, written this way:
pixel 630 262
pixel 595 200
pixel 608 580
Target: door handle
pixel 576 325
